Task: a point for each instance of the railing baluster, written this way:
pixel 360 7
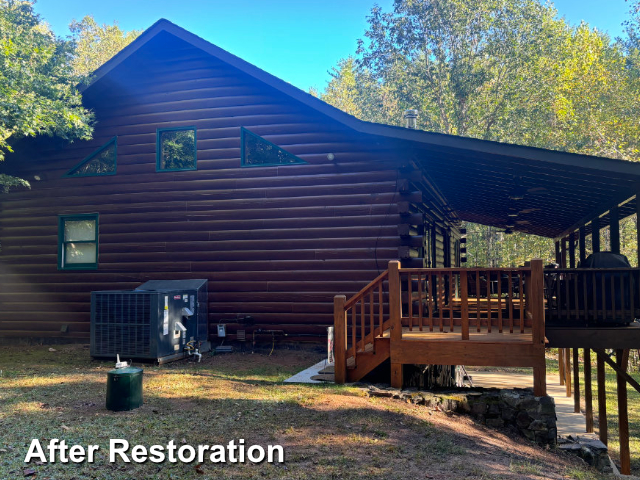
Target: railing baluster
pixel 575 298
pixel 521 300
pixel 451 285
pixel 500 301
pixel 353 329
pixel 510 302
pixel 362 321
pixel 595 298
pixel 631 297
pixel 478 309
pixel 380 311
pixel 439 288
pixel 464 305
pixel 613 297
pixel 488 301
pixel 430 300
pixel 420 306
pixel 410 300
pixel 584 296
pixel 371 315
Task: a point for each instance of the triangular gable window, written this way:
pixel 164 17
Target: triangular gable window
pixel 100 162
pixel 258 152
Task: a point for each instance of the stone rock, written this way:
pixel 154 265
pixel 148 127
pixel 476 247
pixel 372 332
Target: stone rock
pixel 381 393
pixel 494 422
pixel 508 414
pixel 538 426
pixel 479 408
pixel 510 397
pixel 523 420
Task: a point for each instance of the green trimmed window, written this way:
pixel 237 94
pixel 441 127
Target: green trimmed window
pixel 258 152
pixel 78 242
pixel 100 162
pixel 176 149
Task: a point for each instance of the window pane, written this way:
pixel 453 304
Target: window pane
pixel 80 253
pixel 101 163
pixel 79 230
pixel 258 151
pixel 177 150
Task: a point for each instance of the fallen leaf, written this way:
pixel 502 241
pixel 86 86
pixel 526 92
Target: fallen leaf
pixel 28 472
pixel 64 427
pixel 199 469
pixel 51 350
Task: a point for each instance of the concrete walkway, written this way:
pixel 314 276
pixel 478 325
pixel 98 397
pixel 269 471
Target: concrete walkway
pixel 569 423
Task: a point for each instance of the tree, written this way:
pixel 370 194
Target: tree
pixel 95 44
pixel 37 85
pixel 505 70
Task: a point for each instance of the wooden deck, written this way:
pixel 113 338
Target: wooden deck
pixel 427 316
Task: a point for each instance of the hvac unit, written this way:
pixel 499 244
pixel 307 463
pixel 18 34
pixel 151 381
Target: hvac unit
pixel 161 320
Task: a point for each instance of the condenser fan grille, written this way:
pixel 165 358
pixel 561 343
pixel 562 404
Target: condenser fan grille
pixel 122 323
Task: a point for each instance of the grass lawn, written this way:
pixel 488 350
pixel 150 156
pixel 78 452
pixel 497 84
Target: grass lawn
pixel 328 432
pixel 612 408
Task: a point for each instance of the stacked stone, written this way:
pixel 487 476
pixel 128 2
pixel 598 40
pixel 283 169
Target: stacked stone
pixel 534 417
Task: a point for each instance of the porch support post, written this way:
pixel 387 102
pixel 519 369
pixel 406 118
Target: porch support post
pixel 576 381
pixel 561 365
pixel 559 255
pixel 567 370
pixel 614 229
pixel 340 338
pixel 572 250
pixel 588 393
pixel 595 235
pixel 395 315
pixel 583 244
pixel 536 308
pixel 622 359
pixel 602 401
pixel 563 254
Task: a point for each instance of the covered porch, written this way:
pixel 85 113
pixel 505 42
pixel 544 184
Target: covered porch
pixel 481 316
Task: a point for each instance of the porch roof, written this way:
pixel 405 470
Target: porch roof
pixel 553 193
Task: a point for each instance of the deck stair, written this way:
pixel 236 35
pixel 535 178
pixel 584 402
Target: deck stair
pixel 449 316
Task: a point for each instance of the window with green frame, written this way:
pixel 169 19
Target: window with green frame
pixel 78 242
pixel 101 162
pixel 259 152
pixel 176 149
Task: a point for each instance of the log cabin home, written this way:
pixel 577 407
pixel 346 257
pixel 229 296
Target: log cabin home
pixel 303 217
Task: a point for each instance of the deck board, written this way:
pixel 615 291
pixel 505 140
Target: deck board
pixel 482 337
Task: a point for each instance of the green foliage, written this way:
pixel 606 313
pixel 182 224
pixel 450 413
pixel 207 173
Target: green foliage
pixel 504 70
pixel 99 163
pixel 37 85
pixel 95 44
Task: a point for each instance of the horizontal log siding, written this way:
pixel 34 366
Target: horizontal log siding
pixel 276 243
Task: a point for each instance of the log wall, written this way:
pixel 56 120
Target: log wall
pixel 276 243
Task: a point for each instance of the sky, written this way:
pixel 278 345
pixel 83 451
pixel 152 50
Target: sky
pixel 296 40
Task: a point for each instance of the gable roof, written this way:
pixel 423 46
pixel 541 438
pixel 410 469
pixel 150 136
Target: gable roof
pixel 449 160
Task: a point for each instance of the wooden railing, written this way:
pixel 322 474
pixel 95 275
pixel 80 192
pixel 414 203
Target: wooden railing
pixel 592 295
pixel 451 300
pixel 359 320
pixel 456 299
